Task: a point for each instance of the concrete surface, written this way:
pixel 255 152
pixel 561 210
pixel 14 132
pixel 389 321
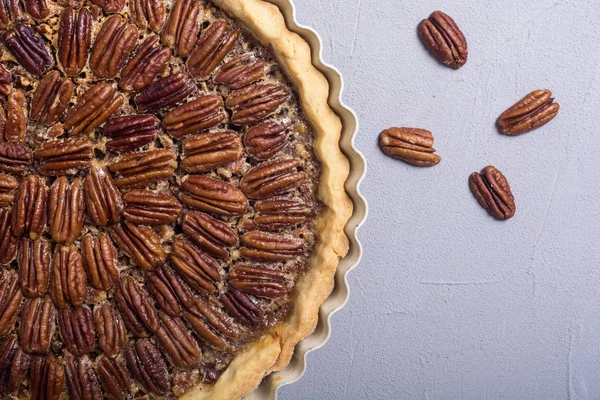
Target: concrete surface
pixel 449 303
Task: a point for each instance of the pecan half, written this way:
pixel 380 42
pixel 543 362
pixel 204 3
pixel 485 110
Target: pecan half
pixel 68 283
pixel 241 307
pixel 149 60
pixel 114 377
pixel 181 30
pixel 411 145
pixel 111 330
pixel 140 243
pixel 93 108
pixel 137 310
pixel 37 325
pixel 266 139
pixel 64 156
pixel 65 210
pixel 493 192
pixel 14 158
pixel 8 240
pixel 16 121
pixel 210 151
pixel 210 325
pixel 272 177
pixel 177 342
pixel 6 81
pixel 146 207
pixel 212 195
pixel 258 280
pixel 74 39
pixel 165 92
pixel 148 14
pixel 51 98
pixel 195 116
pixel 8 185
pixel 103 200
pixel 168 290
pixel 38 9
pixel 268 246
pixel 140 169
pixel 130 132
pixel 113 45
pixel 99 258
pixel 209 233
pixel 10 301
pixel 34 266
pixel 46 378
pixel 148 367
pixel 279 213
pixel 77 329
pixel 14 365
pixel 199 270
pixel 29 211
pixel 214 44
pixel 241 71
pixel 10 11
pixel 110 6
pixel 28 49
pixel 81 379
pixel 256 102
pixel 534 110
pixel 444 39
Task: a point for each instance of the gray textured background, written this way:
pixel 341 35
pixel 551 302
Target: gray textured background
pixel 447 302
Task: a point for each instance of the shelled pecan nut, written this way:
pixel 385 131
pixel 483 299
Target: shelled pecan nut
pixel 199 270
pixel 38 9
pixel 6 81
pixel 68 283
pixel 209 233
pixel 16 121
pixel 241 307
pixel 195 116
pixel 34 266
pixel 411 145
pixel 444 39
pixel 149 60
pixel 29 211
pixel 113 45
pixel 177 342
pixel 181 30
pixel 51 98
pixel 165 92
pixel 269 246
pixel 111 330
pixel 146 207
pixel 168 290
pixel 93 108
pixel 8 185
pixel 258 280
pixel 37 322
pixel 47 378
pixel 148 14
pixel 279 213
pixel 74 39
pixel 28 49
pixel 14 365
pixel 137 310
pixel 110 6
pixel 148 367
pixel 493 192
pixel 8 240
pixel 65 210
pixel 140 169
pixel 10 11
pixel 272 177
pixel 215 42
pixel 99 257
pixel 534 110
pixel 140 243
pixel 210 151
pixel 10 301
pixel 64 156
pixel 114 377
pixel 212 195
pixel 254 103
pixel 14 158
pixel 241 71
pixel 77 330
pixel 130 132
pixel 103 199
pixel 82 381
pixel 266 139
pixel 210 325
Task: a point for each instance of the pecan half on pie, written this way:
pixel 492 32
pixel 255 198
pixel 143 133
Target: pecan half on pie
pixel 171 218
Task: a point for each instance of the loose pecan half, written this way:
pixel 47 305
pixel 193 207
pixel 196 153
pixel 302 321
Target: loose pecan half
pixel 111 330
pixel 272 177
pixel 210 151
pixel 36 325
pixel 210 325
pixel 534 110
pixel 38 9
pixel 266 139
pixel 10 11
pixel 28 49
pixel 14 365
pixel 46 378
pixel 77 329
pixel 241 307
pixel 148 367
pixel 130 132
pixel 269 246
pixel 110 6
pixel 181 30
pixel 34 266
pixel 16 121
pixel 143 168
pixel 93 108
pixel 68 283
pixel 214 44
pixel 99 258
pixel 8 240
pixel 258 280
pixel 256 102
pixel 177 342
pixel 168 290
pixel 241 71
pixel 10 301
pixel 74 39
pixel 114 377
pixel 212 195
pixel 149 60
pixel 51 98
pixel 165 92
pixel 137 310
pixel 14 158
pixel 29 211
pixel 65 210
pixel 280 213
pixel 199 270
pixel 140 243
pixel 103 200
pixel 113 45
pixel 444 39
pixel 493 192
pixel 6 81
pixel 209 233
pixel 147 207
pixel 8 185
pixel 411 145
pixel 196 116
pixel 64 156
pixel 81 379
pixel 148 14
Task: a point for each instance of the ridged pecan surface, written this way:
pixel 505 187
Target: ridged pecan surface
pixel 444 39
pixel 411 145
pixel 534 110
pixel 492 190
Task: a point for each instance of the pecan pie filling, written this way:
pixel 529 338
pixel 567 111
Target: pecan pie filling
pixel 157 196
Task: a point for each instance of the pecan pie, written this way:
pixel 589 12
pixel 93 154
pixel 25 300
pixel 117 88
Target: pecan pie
pixel 172 198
